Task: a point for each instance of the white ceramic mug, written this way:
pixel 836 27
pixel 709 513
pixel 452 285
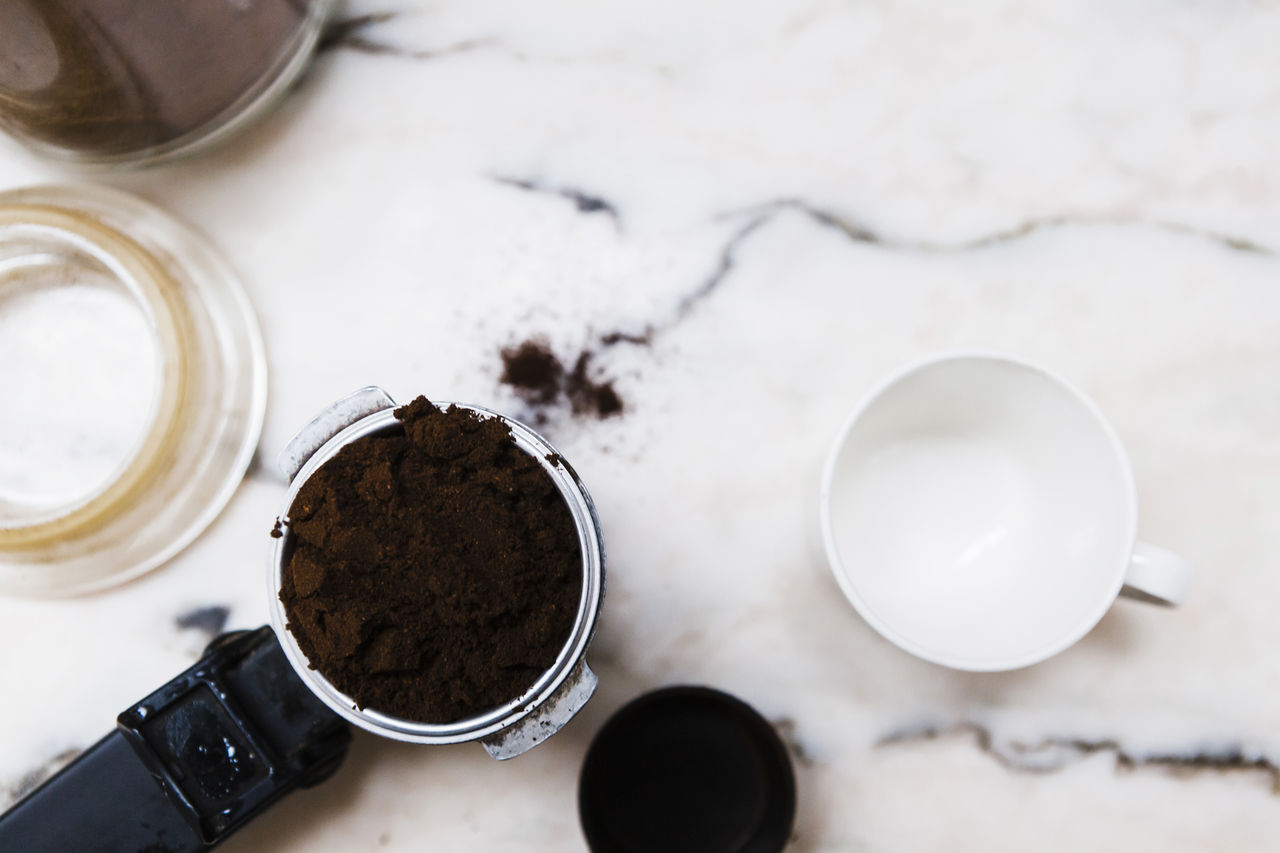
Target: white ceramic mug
pixel 980 513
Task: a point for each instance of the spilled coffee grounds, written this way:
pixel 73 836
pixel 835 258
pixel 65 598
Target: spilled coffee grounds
pixel 435 570
pixel 535 373
pixel 540 379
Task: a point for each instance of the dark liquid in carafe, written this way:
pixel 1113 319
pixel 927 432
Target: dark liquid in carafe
pixel 117 77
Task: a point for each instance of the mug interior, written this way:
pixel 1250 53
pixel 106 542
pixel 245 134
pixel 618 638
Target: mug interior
pixel 979 512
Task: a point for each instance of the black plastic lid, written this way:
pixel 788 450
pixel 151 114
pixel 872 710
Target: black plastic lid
pixel 687 769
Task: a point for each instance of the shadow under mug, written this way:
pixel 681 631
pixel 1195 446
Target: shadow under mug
pixel 981 513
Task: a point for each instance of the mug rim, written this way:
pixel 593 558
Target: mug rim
pixel 1106 597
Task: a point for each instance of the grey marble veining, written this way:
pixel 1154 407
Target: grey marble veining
pixel 746 214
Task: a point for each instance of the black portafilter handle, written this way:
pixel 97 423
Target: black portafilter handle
pixel 191 763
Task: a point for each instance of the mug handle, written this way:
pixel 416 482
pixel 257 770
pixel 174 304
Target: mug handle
pixel 1156 576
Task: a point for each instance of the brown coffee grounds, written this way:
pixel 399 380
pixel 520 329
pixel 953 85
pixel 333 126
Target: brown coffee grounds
pixel 540 379
pixel 533 370
pixel 587 396
pixel 435 570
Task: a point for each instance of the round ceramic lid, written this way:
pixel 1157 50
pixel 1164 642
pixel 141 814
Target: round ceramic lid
pixel 687 770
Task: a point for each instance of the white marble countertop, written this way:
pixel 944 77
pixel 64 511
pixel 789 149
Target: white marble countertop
pixel 789 199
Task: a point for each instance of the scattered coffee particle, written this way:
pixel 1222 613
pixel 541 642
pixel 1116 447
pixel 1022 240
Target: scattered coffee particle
pixel 277 530
pixel 533 370
pixel 587 396
pixel 540 379
pixel 642 339
pixel 435 569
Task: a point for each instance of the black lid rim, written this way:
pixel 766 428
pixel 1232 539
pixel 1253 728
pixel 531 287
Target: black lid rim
pixel 778 818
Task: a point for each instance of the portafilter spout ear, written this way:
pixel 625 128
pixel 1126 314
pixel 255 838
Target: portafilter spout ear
pixel 548 719
pixel 324 426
